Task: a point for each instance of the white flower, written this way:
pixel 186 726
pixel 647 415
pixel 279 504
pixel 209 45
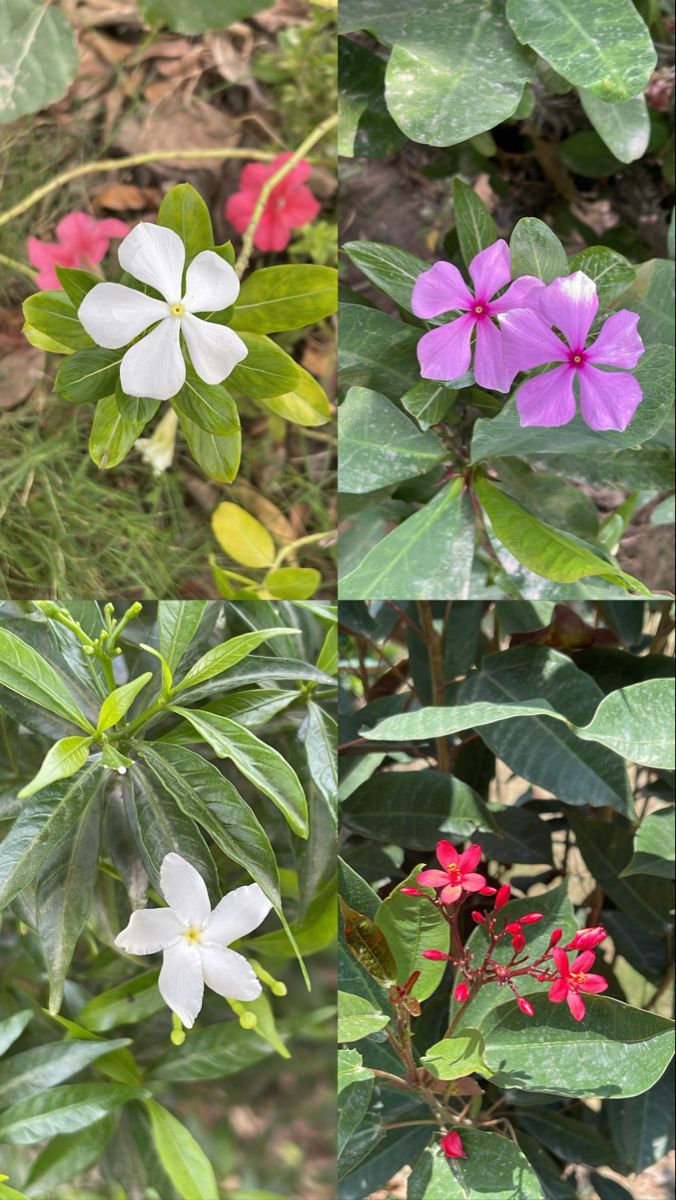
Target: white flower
pixel 113 315
pixel 195 940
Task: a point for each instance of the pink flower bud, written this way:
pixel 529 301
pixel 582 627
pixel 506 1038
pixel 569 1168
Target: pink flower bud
pixel 513 927
pixel 411 892
pixel 435 955
pixel 518 942
pixel 487 891
pixel 531 918
pixel 542 977
pixel 502 897
pixel 478 918
pixel 462 993
pixel 587 939
pixel 555 938
pixel 525 1006
pixel 451 1145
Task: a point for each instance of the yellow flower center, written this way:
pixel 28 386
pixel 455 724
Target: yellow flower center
pixel 454 873
pixel 193 935
pixel 577 978
pixel 177 310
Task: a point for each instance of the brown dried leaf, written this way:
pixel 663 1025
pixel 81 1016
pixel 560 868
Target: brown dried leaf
pixel 20 371
pixel 196 125
pixel 126 197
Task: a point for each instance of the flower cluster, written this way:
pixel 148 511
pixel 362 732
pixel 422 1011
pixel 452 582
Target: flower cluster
pixel 527 326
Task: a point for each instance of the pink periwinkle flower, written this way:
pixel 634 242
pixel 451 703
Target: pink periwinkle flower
pixel 451 1144
pixel 573 979
pixel 445 353
pixel 82 241
pixel 587 939
pixel 608 399
pixel 289 206
pixel 457 875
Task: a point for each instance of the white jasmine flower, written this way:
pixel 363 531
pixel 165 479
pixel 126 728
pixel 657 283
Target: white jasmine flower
pixel 113 315
pixel 195 940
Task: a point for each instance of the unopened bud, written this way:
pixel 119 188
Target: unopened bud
pixel 451 1144
pixel 531 918
pixel 410 891
pixel 543 977
pixel 435 955
pixel 478 918
pixel 518 942
pixel 513 927
pixel 525 1006
pixel 502 897
pixel 462 993
pixel 487 891
pixel 247 1019
pixel 555 937
pixel 276 986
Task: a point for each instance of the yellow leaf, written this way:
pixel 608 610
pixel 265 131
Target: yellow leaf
pixel 307 404
pixel 242 536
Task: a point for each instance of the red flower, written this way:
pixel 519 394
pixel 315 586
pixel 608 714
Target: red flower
pixel 82 242
pixel 457 875
pixel 502 897
pixel 452 1145
pixel 573 980
pixel 587 939
pixel 290 204
pixel 462 993
pixel 411 892
pixel 555 938
pixel 525 1006
pixel 435 955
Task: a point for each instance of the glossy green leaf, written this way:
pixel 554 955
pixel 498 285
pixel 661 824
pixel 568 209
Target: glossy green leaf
pixel 375 351
pixel 76 284
pixel 389 269
pixel 413 808
pixel 12 1028
pixel 536 250
pixel 411 926
pixel 355 1087
pixel 36 1070
pixel 494 1167
pixel 456 1056
pixel 266 371
pixel 607 850
pixel 88 375
pixel 65 758
pixel 624 127
pixel 228 654
pixel 181 1155
pixel 610 271
pixel 161 828
pixel 637 722
pixel 428 556
pixel 652 296
pixel 429 402
pixel 27 673
pixel 606 49
pixel 62 1110
pixel 307 404
pixel 643 1126
pixel 292 583
pixel 654 846
pixel 38 57
pixel 113 432
pixel 134 1000
pixel 209 406
pixel 365 128
pixel 379 444
pixel 319 734
pixel 369 945
pixel 218 454
pixel 69 1153
pixel 475 226
pixel 357 1018
pixel 184 211
pixel 568 1137
pixel 286 297
pixel 118 703
pixel 615 1051
pixel 53 314
pixel 201 15
pixel 178 621
pixel 212 1053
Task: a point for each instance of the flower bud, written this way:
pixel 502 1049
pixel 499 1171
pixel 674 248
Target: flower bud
pixel 435 955
pixel 513 927
pixel 518 942
pixel 555 938
pixel 411 892
pixel 487 891
pixel 462 993
pixel 587 939
pixel 502 897
pixel 531 918
pixel 478 918
pixel 525 1007
pixel 451 1145
pixel 542 977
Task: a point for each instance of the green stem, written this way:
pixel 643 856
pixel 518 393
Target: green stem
pixel 142 719
pixel 22 268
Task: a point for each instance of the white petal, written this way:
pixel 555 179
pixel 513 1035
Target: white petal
pixel 155 366
pixel 114 315
pixel 237 914
pixel 210 283
pixel 150 930
pixel 155 255
pixel 185 890
pixel 229 974
pixel 181 982
pixel 214 349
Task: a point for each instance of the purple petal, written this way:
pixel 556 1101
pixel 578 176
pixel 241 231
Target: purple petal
pixel 547 399
pixel 570 303
pixel 489 366
pixel 491 269
pixel 517 294
pixel 444 353
pixel 608 399
pixel 618 344
pixel 527 342
pixel 440 290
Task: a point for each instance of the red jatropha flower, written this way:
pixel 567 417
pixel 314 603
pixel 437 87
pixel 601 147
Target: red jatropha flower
pixel 457 875
pixel 462 993
pixel 573 980
pixel 290 204
pixel 587 939
pixel 451 1145
pixel 82 241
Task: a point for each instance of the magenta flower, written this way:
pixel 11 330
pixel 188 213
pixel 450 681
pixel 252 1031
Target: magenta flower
pixel 289 206
pixel 608 399
pixel 573 979
pixel 457 875
pixel 445 353
pixel 587 939
pixel 82 241
pixel 451 1144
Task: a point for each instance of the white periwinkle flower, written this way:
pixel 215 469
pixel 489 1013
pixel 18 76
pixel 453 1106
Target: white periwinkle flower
pixel 113 315
pixel 195 940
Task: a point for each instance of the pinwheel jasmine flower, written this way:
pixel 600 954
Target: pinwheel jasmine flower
pixel 573 979
pixel 457 875
pixel 445 353
pixel 113 315
pixel 195 940
pixel 608 399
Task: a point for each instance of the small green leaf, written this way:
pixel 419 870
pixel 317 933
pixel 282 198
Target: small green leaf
pixel 411 925
pixel 288 297
pixel 113 433
pixel 218 454
pixel 118 703
pixel 266 371
pixel 379 444
pixel 474 224
pixel 357 1018
pixel 457 1056
pixel 369 945
pixel 76 283
pixel 210 406
pixel 292 583
pixel 307 404
pixel 53 314
pixel 184 211
pixel 182 1157
pixel 536 250
pixel 64 759
pixel 88 375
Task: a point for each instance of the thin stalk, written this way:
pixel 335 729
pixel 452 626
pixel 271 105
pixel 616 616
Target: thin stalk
pixel 435 654
pixel 22 268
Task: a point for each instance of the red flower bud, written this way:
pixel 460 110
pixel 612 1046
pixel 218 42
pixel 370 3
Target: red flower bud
pixel 542 977
pixel 502 897
pixel 531 918
pixel 525 1006
pixel 451 1145
pixel 435 955
pixel 555 938
pixel 587 939
pixel 513 927
pixel 487 891
pixel 478 918
pixel 518 942
pixel 411 892
pixel 462 993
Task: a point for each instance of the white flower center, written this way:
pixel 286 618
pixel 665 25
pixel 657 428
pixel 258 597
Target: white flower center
pixel 177 309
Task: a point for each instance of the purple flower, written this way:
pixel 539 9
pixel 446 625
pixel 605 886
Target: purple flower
pixel 608 399
pixel 445 352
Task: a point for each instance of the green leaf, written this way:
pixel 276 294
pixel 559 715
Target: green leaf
pixel 637 722
pixel 428 556
pixel 654 846
pixel 135 1000
pixel 65 891
pixel 474 224
pixel 179 622
pixel 212 1053
pixel 365 128
pixel 36 1070
pixel 355 1086
pixel 643 1126
pixel 536 250
pixel 652 296
pixel 391 270
pixel 65 758
pixel 27 673
pixel 541 548
pixel 218 454
pixel 606 49
pixel 412 808
pixel 307 404
pixel 43 342
pixel 585 153
pixel 209 406
pixel 456 1056
pixel 257 761
pixel 411 926
pixel 12 1028
pixel 38 58
pixel 568 1138
pixel 160 828
pixel 88 375
pixel 319 734
pixel 266 371
pixel 494 1167
pixel 228 654
pixel 379 444
pixel 182 1157
pixel 201 15
pixel 607 850
pixel 369 945
pixel 615 1051
pixel 118 703
pixel 287 297
pixel 429 402
pixel 53 314
pixel 292 583
pixel 113 432
pixel 624 127
pixel 69 1153
pixel 63 1110
pixel 76 284
pixel 610 271
pixel 375 351
pixel 39 828
pixel 184 211
pixel 357 1018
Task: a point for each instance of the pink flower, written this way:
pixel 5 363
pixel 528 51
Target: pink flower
pixel 290 204
pixel 462 993
pixel 608 399
pixel 587 939
pixel 451 1145
pixel 445 352
pixel 457 875
pixel 573 980
pixel 82 242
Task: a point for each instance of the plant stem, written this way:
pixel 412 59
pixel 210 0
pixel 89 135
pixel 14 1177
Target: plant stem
pixel 286 551
pixel 22 268
pixel 435 653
